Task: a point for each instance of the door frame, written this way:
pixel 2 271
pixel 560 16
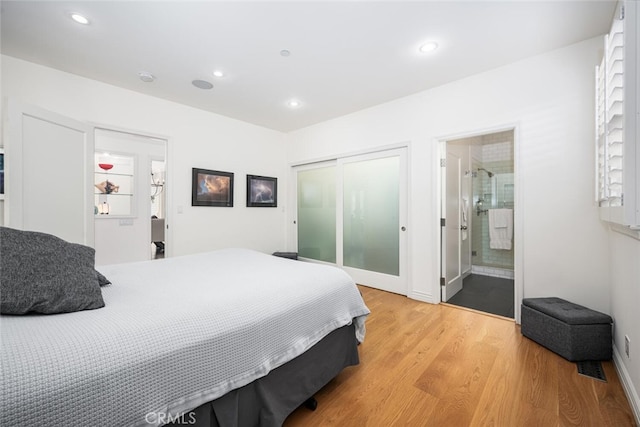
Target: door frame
pixel 168 235
pixel 518 225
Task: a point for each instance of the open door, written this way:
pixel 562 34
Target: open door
pixel 48 187
pixel 455 234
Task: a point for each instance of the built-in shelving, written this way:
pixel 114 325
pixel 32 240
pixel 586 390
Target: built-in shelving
pixel 113 185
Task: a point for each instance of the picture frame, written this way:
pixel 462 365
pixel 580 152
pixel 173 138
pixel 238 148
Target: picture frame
pixel 211 188
pixel 262 191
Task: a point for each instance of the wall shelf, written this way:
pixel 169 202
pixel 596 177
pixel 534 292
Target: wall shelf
pixel 114 185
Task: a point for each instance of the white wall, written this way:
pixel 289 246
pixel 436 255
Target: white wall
pixel 196 139
pixel 549 98
pixel 625 296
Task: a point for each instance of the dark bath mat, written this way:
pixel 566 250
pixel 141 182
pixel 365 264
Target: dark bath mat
pixel 592 369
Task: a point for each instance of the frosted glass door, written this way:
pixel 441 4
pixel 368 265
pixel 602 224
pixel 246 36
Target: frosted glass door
pixel 352 213
pixel 371 226
pixel 317 213
pixel 373 218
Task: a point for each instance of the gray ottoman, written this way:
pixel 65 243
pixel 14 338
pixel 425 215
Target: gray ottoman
pixel 570 330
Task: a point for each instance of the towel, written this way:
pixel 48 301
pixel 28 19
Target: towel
pixel 464 206
pixel 500 228
pixel 501 217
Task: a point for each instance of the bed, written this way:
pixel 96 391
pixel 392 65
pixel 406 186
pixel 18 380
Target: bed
pixel 231 337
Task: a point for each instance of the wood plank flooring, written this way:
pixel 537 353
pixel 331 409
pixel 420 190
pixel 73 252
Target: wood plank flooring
pixel 434 365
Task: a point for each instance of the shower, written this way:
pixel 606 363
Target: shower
pixel 488 172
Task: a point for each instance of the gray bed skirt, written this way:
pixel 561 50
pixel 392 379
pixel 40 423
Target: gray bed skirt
pixel 267 401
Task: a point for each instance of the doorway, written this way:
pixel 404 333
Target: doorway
pixel 123 216
pixel 478 262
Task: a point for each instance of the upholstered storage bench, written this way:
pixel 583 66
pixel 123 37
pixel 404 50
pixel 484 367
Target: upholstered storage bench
pixel 574 332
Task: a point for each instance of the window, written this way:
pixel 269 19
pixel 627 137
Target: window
pixel 617 146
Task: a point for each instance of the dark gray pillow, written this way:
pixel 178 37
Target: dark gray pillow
pixel 41 273
pixel 102 281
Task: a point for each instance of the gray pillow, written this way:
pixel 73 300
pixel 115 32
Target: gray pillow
pixel 102 281
pixel 41 273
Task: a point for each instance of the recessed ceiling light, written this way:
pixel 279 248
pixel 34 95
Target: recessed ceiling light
pixel 146 77
pixel 429 46
pixel 218 73
pixel 285 52
pixel 294 103
pixel 79 18
pixel 202 84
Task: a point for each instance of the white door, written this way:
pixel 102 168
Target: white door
pixel 48 178
pixel 124 235
pixel 455 211
pixel 352 212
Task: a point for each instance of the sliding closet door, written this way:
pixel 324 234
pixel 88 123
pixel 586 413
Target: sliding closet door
pixel 352 212
pixel 316 223
pixel 374 219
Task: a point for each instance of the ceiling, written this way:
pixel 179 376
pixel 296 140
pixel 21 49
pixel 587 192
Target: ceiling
pixel 344 56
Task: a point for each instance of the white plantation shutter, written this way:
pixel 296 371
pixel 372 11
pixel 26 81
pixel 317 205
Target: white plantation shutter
pixel 602 193
pixel 614 90
pixel 616 121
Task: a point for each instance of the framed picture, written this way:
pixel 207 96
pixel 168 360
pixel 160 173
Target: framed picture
pixel 262 191
pixel 211 188
pixel 1 173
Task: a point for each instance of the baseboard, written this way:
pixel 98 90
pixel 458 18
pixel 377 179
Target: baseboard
pixel 422 296
pixel 627 384
pixel 503 273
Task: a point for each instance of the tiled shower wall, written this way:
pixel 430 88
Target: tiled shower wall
pixel 496 155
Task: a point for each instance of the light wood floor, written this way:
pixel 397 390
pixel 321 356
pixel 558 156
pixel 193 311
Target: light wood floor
pixel 434 365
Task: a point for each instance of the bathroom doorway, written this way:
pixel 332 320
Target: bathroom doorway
pixel 478 205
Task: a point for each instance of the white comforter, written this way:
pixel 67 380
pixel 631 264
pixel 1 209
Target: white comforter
pixel 174 334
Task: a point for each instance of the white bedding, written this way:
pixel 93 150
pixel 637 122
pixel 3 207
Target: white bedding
pixel 174 333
